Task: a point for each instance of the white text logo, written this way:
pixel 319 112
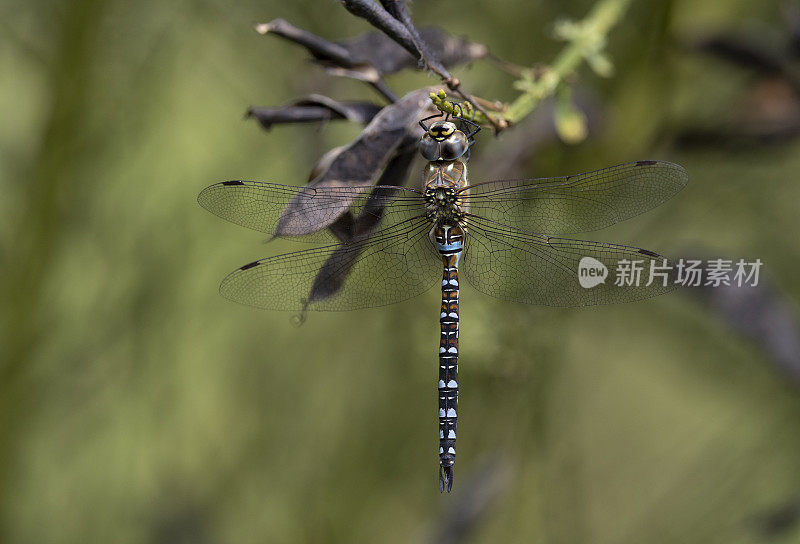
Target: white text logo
pixel 591 272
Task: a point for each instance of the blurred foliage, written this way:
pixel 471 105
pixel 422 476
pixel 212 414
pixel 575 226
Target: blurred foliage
pixel 139 406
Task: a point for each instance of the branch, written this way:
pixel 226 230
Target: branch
pixel 397 24
pixel 334 55
pixel 371 56
pixel 586 41
pixel 314 108
pixel 399 10
pixel 382 20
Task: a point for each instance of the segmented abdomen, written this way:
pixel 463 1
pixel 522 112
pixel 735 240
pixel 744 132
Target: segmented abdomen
pixel 449 243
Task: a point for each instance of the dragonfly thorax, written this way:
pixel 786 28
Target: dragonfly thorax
pixel 443 205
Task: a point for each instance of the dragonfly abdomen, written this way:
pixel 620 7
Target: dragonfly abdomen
pixel 449 243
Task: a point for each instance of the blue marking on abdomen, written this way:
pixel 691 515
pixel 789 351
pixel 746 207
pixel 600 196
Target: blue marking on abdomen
pixel 449 247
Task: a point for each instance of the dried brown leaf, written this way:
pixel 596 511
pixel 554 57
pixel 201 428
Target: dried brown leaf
pixel 359 164
pixel 314 108
pixel 349 229
pixel 387 56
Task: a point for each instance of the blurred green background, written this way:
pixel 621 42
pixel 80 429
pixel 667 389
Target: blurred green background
pixel 139 406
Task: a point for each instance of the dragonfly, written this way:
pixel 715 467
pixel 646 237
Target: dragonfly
pixel 503 237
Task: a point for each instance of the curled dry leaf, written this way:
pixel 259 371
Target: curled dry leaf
pixel 373 54
pixel 348 228
pixel 386 56
pixel 428 57
pixel 324 162
pixel 320 48
pixel 360 163
pixel 314 108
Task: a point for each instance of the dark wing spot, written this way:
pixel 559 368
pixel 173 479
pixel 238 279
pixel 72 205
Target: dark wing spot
pixel 646 163
pixel 250 265
pixel 649 253
pixel 233 183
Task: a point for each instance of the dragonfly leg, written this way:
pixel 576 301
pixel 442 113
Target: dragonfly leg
pixel 434 116
pixel 475 128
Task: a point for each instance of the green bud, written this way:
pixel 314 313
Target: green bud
pixel 571 123
pixel 600 64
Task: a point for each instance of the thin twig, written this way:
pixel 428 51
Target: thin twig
pixel 378 17
pixel 509 67
pixel 586 41
pixel 314 108
pixel 332 54
pixel 398 26
pixel 319 47
pixel 399 10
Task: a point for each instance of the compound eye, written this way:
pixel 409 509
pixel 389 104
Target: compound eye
pixel 429 148
pixel 454 146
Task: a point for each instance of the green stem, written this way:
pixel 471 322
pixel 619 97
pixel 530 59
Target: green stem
pixel 586 40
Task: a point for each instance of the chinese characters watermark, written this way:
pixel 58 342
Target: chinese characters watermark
pixel 686 272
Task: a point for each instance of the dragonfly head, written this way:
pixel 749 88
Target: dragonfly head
pixel 443 142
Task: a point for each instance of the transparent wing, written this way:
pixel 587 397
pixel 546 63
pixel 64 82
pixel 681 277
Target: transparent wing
pixel 509 264
pixel 578 203
pixel 394 264
pixel 286 210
